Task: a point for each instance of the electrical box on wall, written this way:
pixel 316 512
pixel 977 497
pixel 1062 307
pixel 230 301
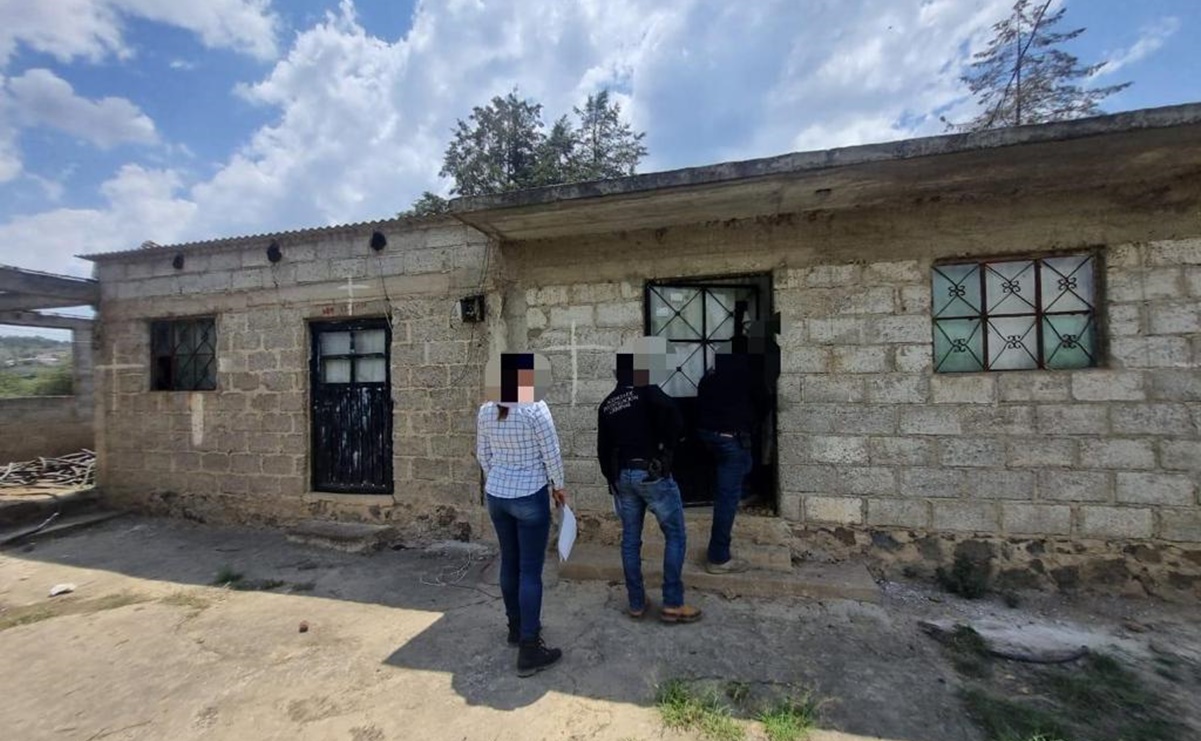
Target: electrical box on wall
pixel 471 309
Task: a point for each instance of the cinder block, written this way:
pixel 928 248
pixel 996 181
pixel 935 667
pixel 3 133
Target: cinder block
pixel 901 329
pixel 972 451
pixel 867 480
pixel 833 275
pixel 1180 455
pixel 869 300
pixel 904 451
pixel 805 359
pixel 920 420
pixel 839 330
pixel 1176 385
pixel 546 296
pixel 564 317
pixel 1117 454
pixel 914 358
pixel 822 388
pixel 931 482
pixel 808 478
pixel 1192 279
pixel 966 516
pixel 840 510
pixel 964 389
pixel 896 271
pixel 1151 419
pixel 627 314
pixel 1180 525
pixel 899 388
pixel 595 293
pixel 1156 488
pixel 898 513
pixel 838 449
pixel 1001 484
pixel 1072 419
pixel 1124 320
pixel 865 359
pixel 916 299
pixel 1161 283
pixel 1036 519
pixel 1115 522
pixel 1174 252
pixel 1042 452
pixel 1075 486
pixel 1175 318
pixel 535 319
pixel 1100 385
pixel 1007 419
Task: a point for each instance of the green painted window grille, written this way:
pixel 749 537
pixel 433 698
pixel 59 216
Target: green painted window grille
pixel 183 355
pixel 1015 314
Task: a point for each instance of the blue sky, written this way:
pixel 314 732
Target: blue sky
pixel 128 120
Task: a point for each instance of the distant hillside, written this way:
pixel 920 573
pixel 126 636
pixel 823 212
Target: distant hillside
pixel 19 348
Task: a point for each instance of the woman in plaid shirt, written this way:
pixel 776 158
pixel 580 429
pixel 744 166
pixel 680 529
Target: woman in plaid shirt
pixel 518 448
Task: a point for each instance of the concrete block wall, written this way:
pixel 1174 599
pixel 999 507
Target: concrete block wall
pixel 871 436
pixel 242 452
pixel 43 426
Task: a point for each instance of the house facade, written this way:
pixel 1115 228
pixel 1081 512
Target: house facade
pixel 987 343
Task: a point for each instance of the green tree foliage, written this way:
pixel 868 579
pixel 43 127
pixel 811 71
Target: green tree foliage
pixel 1025 77
pixel 502 147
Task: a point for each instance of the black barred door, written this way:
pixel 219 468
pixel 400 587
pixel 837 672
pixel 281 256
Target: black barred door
pixel 352 406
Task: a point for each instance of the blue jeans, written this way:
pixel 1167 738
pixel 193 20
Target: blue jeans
pixel 734 462
pixel 523 528
pixel 662 498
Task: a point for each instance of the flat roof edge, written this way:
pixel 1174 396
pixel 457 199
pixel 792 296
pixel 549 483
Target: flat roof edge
pixel 812 161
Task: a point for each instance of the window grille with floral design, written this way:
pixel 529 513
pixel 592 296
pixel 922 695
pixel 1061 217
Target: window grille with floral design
pixel 1015 314
pixel 183 355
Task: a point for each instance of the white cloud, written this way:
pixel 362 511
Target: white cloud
pixel 141 204
pixel 92 29
pixel 1150 39
pixel 182 64
pixel 41 98
pixel 360 122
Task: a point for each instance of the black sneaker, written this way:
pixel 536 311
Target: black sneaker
pixel 533 656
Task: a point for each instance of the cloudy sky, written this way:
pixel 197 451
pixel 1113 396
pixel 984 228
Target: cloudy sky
pixel 128 120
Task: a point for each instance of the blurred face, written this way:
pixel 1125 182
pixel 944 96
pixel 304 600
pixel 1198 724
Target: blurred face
pixel 525 386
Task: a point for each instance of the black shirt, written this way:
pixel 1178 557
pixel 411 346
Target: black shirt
pixel 732 396
pixel 635 422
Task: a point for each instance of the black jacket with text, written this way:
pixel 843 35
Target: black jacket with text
pixel 636 422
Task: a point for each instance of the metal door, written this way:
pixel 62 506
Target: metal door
pixel 698 320
pixel 352 406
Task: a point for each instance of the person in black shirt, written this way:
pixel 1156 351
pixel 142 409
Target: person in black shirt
pixel 638 427
pixel 731 399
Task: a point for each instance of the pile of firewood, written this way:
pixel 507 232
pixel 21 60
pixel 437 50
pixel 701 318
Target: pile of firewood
pixel 77 469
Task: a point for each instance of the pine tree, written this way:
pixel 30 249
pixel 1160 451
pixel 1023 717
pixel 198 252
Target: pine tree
pixel 609 148
pixel 1024 77
pixel 498 150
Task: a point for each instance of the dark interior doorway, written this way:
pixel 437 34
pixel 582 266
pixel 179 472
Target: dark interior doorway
pixel 699 317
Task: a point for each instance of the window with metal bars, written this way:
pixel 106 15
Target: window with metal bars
pixel 1016 314
pixel 183 355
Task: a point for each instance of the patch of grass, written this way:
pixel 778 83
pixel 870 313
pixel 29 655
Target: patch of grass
pixel 1005 720
pixel 183 599
pixel 790 720
pixel 17 616
pixel 257 585
pixel 968 577
pixel 1102 693
pixel 683 709
pixel 738 692
pixel 226 576
pixel 304 586
pixel 29 614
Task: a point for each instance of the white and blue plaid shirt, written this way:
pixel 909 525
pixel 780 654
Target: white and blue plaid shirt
pixel 519 454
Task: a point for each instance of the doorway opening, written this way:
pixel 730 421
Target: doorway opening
pixel 699 317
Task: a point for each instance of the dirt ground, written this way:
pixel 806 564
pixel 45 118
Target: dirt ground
pixel 409 644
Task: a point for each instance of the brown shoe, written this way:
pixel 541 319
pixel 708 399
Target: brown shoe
pixel 681 614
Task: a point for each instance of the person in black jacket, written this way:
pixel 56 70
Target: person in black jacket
pixel 731 400
pixel 638 428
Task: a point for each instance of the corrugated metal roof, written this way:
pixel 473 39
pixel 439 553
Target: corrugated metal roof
pixel 241 241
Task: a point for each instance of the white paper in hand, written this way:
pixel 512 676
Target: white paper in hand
pixel 567 533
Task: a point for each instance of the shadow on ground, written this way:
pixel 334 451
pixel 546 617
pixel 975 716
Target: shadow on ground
pixel 882 677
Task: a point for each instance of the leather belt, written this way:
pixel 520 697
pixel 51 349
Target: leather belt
pixel 640 464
